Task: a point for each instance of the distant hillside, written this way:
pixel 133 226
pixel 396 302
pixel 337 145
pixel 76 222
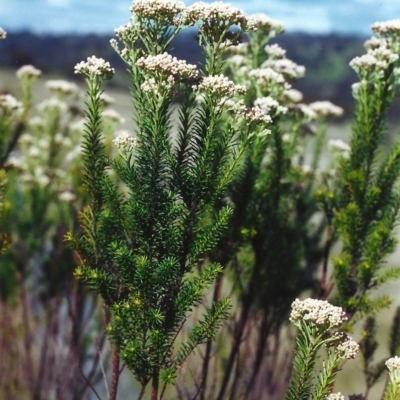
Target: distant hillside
pixel 326 58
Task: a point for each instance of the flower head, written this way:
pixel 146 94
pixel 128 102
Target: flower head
pixel 95 68
pixel 335 396
pixel 9 103
pixel 125 141
pixel 326 109
pixel 275 51
pixel 337 144
pixel 393 365
pixel 159 10
pixel 347 348
pixel 28 72
pixel 269 105
pixel 163 65
pixel 267 25
pixel 221 86
pixel 319 312
pixel 286 67
pixel 61 87
pixel 215 14
pixel 387 28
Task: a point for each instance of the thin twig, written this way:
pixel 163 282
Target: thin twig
pixel 88 383
pixel 102 370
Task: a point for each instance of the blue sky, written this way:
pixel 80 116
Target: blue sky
pixel 102 16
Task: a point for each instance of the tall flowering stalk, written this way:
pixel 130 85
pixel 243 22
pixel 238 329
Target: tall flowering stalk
pixel 316 321
pixel 393 388
pixel 366 206
pixel 141 245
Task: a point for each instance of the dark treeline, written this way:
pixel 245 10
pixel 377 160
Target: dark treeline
pixel 326 58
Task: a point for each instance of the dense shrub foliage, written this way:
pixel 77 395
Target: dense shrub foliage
pixel 187 242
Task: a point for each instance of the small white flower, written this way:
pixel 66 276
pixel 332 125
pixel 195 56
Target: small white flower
pixel 387 27
pixel 266 75
pixel 292 96
pixel 285 67
pixel 3 33
pixel 106 99
pixel 9 103
pixel 217 14
pixel 34 152
pixel 220 85
pixel 326 109
pixel 318 312
pixel 161 10
pixel 348 348
pixel 67 196
pixel 335 396
pixel 393 363
pixel 28 72
pixel 113 116
pixel 95 68
pixel 125 141
pixel 275 51
pixel 62 87
pixel 267 25
pixel 163 65
pixel 269 105
pixel 53 105
pixel 338 144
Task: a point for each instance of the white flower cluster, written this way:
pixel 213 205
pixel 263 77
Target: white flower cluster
pixel 9 103
pixel 52 105
pixel 240 48
pixel 285 67
pixel 28 72
pixel 106 99
pixel 95 68
pixel 113 116
pixel 275 51
pixel 216 14
pixel 253 114
pixel 387 28
pixel 157 9
pixel 374 43
pixel 267 75
pixel 267 25
pixel 292 96
pixel 326 109
pixel 164 65
pixel 125 141
pixel 377 58
pixel 221 86
pixel 237 60
pixel 269 105
pixel 319 312
pixel 126 32
pixel 393 363
pixel 3 33
pixel 348 348
pixel 337 144
pixel 61 87
pixel 335 396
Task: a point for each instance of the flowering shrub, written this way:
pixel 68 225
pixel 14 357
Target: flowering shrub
pixel 215 188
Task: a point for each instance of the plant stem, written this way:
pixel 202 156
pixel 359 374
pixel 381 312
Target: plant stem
pixel 154 384
pixel 115 375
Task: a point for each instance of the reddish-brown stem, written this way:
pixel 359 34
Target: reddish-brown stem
pixel 154 384
pixel 114 375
